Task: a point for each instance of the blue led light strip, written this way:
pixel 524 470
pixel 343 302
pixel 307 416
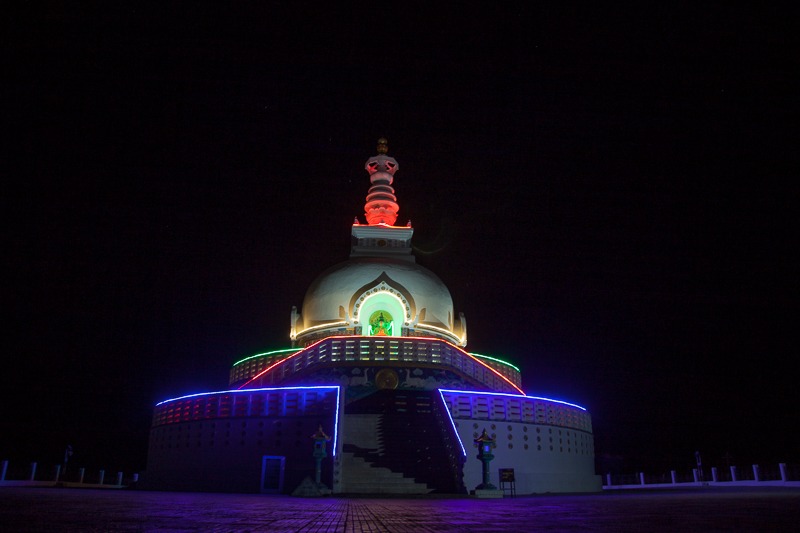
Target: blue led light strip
pixel 452 423
pixel 336 421
pixel 514 396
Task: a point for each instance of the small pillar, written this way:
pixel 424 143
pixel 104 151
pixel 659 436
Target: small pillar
pixel 102 477
pixel 81 473
pixel 485 445
pixel 641 478
pixel 608 480
pixel 119 479
pixel 58 473
pixel 696 474
pixel 33 472
pixel 756 473
pixel 781 467
pixel 135 478
pixel 3 470
pixel 674 476
pixel 309 487
pixel 320 453
pixel 714 476
pixel 734 474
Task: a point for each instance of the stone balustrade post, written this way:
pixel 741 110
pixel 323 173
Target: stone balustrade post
pixel 81 472
pixel 714 477
pixel 608 479
pixel 756 473
pixel 4 470
pixel 33 471
pixel 784 475
pixel 58 473
pixel 119 478
pixel 102 477
pixel 641 478
pixel 696 474
pixel 674 476
pixel 734 476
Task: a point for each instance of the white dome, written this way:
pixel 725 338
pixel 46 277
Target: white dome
pixel 346 295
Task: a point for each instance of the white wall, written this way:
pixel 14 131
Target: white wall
pixel 525 447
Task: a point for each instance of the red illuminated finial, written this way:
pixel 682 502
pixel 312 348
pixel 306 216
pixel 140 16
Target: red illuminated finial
pixel 381 206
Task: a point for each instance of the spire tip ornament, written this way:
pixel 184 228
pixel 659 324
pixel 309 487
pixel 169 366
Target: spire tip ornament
pixel 383 145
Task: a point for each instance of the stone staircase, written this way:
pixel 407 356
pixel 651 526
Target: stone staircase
pixel 361 476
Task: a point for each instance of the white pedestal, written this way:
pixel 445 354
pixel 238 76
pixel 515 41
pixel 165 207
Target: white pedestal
pixel 488 493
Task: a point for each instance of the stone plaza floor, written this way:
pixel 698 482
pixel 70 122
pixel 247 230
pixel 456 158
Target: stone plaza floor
pixel 98 510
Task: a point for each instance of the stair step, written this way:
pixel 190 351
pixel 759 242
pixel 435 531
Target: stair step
pixel 360 477
pixel 378 453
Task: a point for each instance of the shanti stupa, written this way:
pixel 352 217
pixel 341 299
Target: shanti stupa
pixel 378 390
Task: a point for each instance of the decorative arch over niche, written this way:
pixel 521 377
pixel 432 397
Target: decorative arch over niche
pixel 382 294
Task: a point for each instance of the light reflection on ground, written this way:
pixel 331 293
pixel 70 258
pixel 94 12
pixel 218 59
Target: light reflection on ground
pixel 50 509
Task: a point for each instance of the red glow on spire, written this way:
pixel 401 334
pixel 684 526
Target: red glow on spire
pixel 381 206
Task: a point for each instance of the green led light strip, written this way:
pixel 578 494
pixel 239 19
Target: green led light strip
pixel 496 360
pixel 273 352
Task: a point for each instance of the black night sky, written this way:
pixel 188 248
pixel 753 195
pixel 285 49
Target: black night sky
pixel 608 193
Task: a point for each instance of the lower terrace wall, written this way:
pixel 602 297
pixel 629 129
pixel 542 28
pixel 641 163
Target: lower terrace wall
pixel 194 448
pixel 226 455
pixel 544 458
pixel 549 444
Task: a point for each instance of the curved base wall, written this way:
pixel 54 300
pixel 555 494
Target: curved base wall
pixel 218 441
pixel 548 443
pixel 537 468
pixel 222 441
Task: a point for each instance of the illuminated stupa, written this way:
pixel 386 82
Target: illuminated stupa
pixel 378 361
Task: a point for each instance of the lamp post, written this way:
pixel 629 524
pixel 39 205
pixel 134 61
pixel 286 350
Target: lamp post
pixel 699 462
pixel 67 455
pixel 485 445
pixel 320 452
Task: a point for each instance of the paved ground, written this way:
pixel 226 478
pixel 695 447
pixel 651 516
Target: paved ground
pixel 92 510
